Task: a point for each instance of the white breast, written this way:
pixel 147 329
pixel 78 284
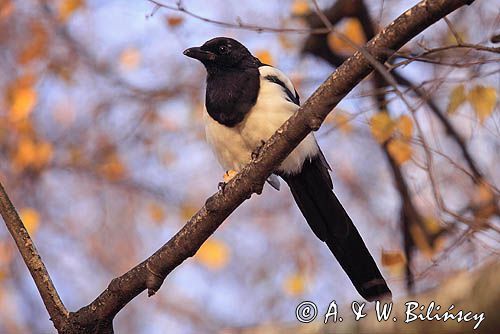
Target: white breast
pixel 233 146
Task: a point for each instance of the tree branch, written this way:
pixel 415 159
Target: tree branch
pixel 33 261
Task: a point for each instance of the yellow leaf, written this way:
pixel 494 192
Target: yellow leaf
pixel 400 150
pixel 265 57
pixel 130 58
pixel 30 218
pixel 68 7
pixel 25 154
pixel 32 153
pixel 393 258
pixel 300 8
pixel 394 261
pixel 382 126
pixel 213 254
pixel 113 168
pixel 483 100
pixel 294 284
pixel 457 98
pixel 353 31
pixel 174 21
pixel 405 126
pixel 432 225
pixel 23 101
pixel 156 212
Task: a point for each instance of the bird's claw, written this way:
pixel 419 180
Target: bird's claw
pixel 258 149
pixel 228 175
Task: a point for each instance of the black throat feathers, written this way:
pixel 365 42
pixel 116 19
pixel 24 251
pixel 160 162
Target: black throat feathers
pixel 231 93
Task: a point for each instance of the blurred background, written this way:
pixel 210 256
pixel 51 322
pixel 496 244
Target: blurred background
pixel 102 151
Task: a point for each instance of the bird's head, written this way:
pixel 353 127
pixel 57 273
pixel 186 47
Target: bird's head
pixel 221 53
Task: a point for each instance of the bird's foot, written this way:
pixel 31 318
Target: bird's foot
pixel 228 175
pixel 258 149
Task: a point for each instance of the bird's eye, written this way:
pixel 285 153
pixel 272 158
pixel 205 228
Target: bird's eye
pixel 223 49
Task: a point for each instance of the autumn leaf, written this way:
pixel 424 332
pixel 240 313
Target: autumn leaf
pixel 31 153
pixel 294 284
pixel 31 219
pixel 351 30
pixel 265 57
pixel 393 261
pixel 113 168
pixel 300 8
pixel 404 127
pixel 174 21
pixel 68 7
pixel 156 212
pixel 130 58
pixel 23 101
pixel 400 150
pixel 432 225
pixel 213 254
pixel 382 126
pixel 483 100
pixel 457 98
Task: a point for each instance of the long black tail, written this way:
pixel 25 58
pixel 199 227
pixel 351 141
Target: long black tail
pixel 312 190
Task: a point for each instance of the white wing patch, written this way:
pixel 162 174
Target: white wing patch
pixel 272 71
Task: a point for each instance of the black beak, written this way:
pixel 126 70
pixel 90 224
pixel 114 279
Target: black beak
pixel 198 53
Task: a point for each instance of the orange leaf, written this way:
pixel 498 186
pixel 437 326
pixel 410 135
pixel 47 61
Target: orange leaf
pixel 393 258
pixel 174 21
pixel 213 254
pixel 68 7
pixel 31 219
pixel 405 126
pixel 352 31
pixel 265 57
pixel 294 284
pixel 23 101
pixel 382 126
pixel 400 150
pixel 300 8
pixel 483 100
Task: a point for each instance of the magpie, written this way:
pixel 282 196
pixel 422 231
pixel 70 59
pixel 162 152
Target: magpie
pixel 246 102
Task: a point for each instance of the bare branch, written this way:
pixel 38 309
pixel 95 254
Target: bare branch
pixel 31 257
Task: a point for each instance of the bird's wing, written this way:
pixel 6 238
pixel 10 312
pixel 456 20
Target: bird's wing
pixel 274 75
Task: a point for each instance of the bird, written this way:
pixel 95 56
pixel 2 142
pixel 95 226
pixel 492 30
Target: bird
pixel 246 101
